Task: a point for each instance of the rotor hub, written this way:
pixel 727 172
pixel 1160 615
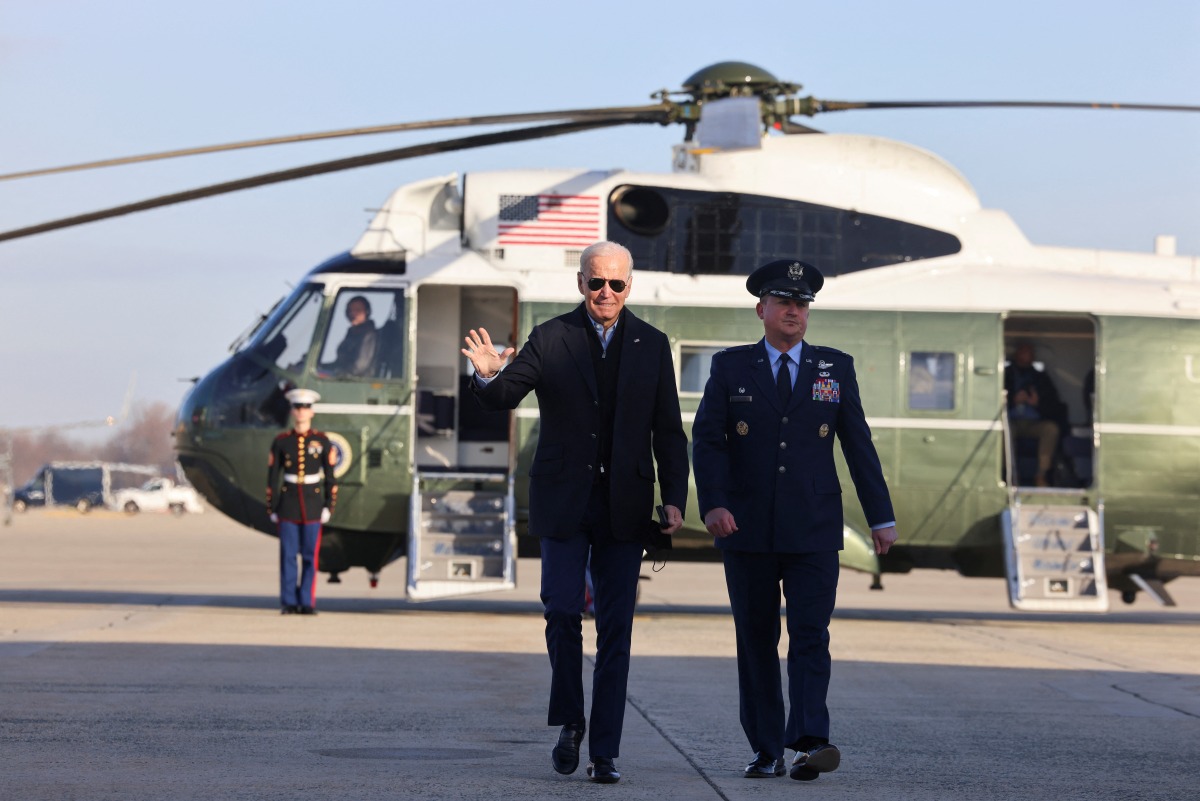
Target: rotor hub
pixel 735 79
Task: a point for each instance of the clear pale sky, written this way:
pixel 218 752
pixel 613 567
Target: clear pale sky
pixel 163 293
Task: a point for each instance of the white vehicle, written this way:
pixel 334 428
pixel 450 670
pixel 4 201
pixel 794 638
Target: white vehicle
pixel 158 495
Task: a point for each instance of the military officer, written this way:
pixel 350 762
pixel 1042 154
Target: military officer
pixel 768 491
pixel 302 502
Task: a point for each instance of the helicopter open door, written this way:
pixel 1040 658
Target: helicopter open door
pixel 462 524
pixel 1053 527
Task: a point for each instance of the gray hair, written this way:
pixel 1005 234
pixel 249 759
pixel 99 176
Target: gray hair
pixel 604 249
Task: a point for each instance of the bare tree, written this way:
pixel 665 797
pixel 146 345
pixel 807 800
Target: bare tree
pixel 145 437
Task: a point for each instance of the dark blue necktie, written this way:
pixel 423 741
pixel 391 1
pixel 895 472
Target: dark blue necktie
pixel 783 380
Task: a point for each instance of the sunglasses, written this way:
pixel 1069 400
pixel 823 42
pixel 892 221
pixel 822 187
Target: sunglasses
pixel 301 405
pixel 596 284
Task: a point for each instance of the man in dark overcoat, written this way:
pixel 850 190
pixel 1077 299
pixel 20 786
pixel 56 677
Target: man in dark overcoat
pixel 609 414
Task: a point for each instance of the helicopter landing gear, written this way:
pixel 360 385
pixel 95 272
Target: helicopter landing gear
pixel 335 578
pixel 374 580
pixel 876 584
pixel 1129 596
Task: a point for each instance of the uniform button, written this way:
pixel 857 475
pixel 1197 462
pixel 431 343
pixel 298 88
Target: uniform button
pixel 782 469
pixel 784 421
pixel 783 445
pixel 589 467
pixel 593 436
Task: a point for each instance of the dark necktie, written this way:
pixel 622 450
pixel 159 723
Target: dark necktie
pixel 783 380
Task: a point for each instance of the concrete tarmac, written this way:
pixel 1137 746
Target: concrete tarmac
pixel 145 658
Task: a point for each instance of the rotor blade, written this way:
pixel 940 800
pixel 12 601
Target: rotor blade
pixel 444 146
pixel 814 106
pixel 449 122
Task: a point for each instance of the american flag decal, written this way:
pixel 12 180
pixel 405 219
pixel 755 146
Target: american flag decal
pixel 571 220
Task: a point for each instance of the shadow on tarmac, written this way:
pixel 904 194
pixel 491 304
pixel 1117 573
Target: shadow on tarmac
pixel 251 721
pixel 501 606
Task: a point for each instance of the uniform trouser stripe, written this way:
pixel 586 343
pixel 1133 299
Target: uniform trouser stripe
pixel 303 541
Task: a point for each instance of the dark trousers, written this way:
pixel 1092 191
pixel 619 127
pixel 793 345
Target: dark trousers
pixel 809 583
pixel 303 540
pixel 615 568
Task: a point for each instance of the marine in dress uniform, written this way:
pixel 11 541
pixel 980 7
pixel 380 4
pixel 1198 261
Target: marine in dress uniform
pixel 768 491
pixel 301 493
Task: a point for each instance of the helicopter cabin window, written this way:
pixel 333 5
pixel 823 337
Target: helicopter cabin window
pixel 695 360
pixel 728 233
pixel 931 378
pixel 365 338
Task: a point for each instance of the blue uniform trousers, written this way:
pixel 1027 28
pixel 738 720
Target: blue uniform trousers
pixel 615 567
pixel 809 586
pixel 303 540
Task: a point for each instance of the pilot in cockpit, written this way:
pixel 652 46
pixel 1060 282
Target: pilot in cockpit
pixel 356 352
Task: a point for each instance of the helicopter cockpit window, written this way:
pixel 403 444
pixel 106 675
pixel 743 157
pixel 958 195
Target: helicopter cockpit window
pixel 366 336
pixel 931 378
pixel 729 233
pixel 286 343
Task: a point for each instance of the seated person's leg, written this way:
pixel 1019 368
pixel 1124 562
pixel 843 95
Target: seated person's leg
pixel 1047 436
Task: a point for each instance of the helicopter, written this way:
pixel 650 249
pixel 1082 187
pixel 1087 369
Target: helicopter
pixel 426 474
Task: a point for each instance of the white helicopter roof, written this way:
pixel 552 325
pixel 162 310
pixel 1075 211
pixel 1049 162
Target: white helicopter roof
pixel 997 268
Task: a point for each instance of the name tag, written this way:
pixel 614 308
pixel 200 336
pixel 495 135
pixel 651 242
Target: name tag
pixel 827 390
pixel 740 398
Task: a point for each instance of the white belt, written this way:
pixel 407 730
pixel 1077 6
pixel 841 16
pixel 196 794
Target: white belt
pixel 292 478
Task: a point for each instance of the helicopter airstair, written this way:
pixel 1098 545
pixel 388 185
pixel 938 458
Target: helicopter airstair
pixel 1054 552
pixel 462 536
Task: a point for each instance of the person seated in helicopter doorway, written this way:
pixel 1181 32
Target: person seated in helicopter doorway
pixel 1034 408
pixel 356 352
pixel 301 493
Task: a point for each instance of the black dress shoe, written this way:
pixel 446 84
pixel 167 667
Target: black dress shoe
pixel 565 755
pixel 810 764
pixel 307 610
pixel 603 771
pixel 289 610
pixel 764 767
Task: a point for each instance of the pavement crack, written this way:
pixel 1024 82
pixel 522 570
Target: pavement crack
pixel 662 733
pixel 633 702
pixel 1146 700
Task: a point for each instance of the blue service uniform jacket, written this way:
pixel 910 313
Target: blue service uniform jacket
pixel 773 468
pixel 556 364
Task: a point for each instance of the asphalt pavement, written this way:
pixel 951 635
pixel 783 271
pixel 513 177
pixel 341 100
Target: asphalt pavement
pixel 145 658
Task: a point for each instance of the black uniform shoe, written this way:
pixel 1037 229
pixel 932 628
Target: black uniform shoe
pixel 603 771
pixel 565 756
pixel 810 764
pixel 764 767
pixel 289 610
pixel 307 610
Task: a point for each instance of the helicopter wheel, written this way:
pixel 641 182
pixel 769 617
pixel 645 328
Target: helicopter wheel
pixel 1129 596
pixel 177 509
pixel 130 508
pixel 83 506
pixel 19 506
